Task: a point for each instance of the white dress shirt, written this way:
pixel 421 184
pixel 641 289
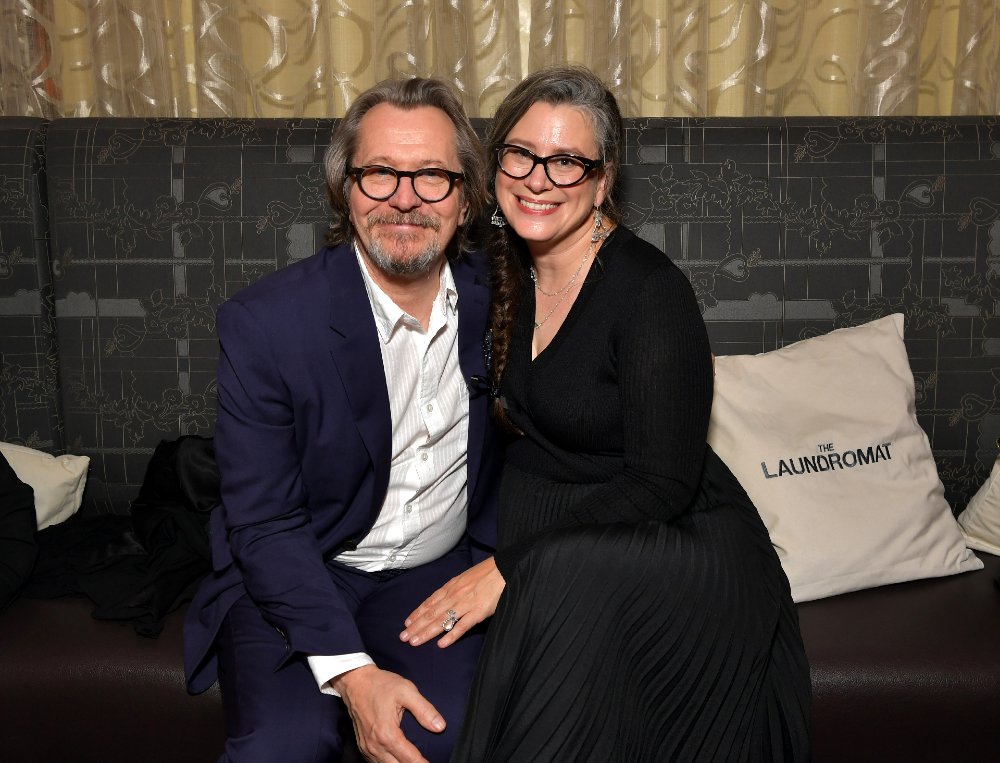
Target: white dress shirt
pixel 424 512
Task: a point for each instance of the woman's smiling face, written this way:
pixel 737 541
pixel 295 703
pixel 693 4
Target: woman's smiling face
pixel 543 214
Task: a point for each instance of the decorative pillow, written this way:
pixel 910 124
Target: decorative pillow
pixel 823 436
pixel 980 522
pixel 58 481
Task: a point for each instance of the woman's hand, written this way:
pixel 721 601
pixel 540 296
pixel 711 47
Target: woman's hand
pixel 461 603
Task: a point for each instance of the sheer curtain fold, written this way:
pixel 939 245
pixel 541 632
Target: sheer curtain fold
pixel 28 57
pixel 287 58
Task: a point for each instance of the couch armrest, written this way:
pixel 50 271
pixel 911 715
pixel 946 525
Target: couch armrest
pixel 908 671
pixel 75 688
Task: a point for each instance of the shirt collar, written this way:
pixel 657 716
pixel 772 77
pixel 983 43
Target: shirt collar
pixel 388 315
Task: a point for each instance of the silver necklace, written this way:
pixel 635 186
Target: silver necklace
pixel 564 291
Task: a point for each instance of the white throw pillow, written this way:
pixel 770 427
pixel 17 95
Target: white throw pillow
pixel 823 436
pixel 980 522
pixel 58 481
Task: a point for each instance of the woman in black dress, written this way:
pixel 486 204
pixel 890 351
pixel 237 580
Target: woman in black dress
pixel 639 611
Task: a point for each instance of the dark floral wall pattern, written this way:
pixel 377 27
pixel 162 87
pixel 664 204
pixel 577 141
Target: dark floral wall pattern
pixel 787 228
pixel 29 410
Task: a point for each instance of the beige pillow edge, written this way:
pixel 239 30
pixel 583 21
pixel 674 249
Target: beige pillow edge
pixel 978 544
pixel 56 499
pixel 900 573
pixel 975 529
pixel 942 550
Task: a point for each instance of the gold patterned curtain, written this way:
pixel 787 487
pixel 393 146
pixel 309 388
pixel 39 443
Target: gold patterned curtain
pixel 287 58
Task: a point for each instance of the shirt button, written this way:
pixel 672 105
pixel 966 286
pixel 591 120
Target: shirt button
pixel 392 557
pixel 408 508
pixel 423 456
pixel 430 407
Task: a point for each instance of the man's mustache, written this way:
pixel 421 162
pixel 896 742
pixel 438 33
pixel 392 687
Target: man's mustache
pixel 410 218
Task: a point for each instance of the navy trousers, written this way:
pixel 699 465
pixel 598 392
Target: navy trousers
pixel 282 716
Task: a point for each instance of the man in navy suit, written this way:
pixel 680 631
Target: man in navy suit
pixel 358 464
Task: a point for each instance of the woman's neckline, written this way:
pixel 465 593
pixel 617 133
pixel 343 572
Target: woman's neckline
pixel 594 272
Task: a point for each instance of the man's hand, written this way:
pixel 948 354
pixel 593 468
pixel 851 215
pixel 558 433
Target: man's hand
pixel 462 602
pixel 376 700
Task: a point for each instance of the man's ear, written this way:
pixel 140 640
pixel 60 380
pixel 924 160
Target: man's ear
pixel 463 214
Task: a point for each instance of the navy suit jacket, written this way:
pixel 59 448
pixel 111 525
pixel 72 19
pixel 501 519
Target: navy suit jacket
pixel 303 442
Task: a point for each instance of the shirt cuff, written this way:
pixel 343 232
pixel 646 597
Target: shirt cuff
pixel 327 667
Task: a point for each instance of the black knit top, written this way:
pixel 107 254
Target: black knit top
pixel 615 409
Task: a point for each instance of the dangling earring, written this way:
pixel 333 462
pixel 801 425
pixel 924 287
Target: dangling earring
pixel 599 233
pixel 498 219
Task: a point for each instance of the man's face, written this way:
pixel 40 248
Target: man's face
pixel 405 235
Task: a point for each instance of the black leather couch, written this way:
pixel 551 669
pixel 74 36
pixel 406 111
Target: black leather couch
pixel 120 237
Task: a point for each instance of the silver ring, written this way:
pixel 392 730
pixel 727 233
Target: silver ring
pixel 450 620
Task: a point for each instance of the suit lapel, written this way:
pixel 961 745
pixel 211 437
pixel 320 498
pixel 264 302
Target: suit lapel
pixel 473 303
pixel 354 348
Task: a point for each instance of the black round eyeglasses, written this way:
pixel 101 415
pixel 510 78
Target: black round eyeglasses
pixel 378 182
pixel 562 169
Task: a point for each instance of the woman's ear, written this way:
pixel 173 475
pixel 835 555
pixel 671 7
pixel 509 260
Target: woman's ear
pixel 602 188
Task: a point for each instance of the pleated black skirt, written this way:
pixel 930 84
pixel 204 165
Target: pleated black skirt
pixel 652 642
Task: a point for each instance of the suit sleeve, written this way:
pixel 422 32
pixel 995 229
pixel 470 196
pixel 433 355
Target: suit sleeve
pixel 266 515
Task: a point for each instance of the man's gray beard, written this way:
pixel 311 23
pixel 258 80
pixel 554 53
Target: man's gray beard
pixel 411 266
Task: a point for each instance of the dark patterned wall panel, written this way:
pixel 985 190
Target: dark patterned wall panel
pixel 155 223
pixel 793 227
pixel 29 407
pixel 786 227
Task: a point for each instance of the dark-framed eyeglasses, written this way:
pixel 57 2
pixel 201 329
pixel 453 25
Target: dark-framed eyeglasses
pixel 562 169
pixel 379 182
